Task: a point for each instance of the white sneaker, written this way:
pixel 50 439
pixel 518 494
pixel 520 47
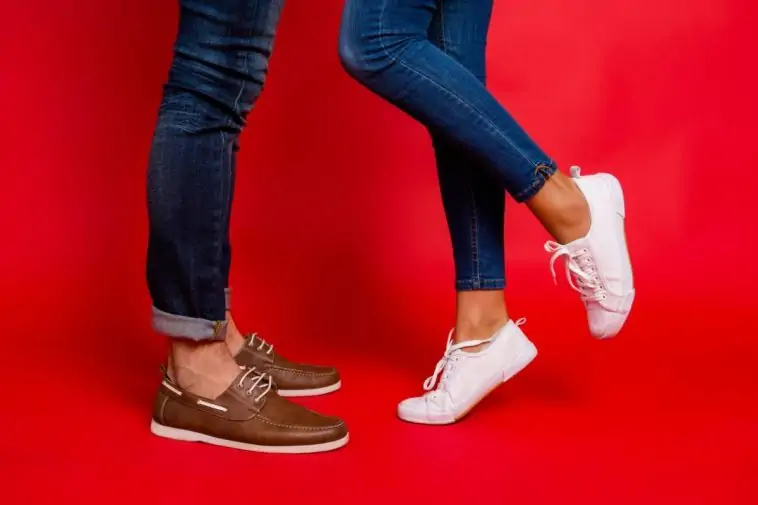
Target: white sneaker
pixel 468 377
pixel 598 265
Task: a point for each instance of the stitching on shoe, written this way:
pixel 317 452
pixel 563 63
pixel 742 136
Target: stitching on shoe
pixel 306 428
pixel 163 408
pixel 301 372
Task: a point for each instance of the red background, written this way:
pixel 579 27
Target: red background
pixel 342 255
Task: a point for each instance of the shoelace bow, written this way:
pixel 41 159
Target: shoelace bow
pixel 581 271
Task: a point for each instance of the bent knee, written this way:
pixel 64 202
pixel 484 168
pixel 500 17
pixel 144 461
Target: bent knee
pixel 354 52
pixel 226 87
pixel 363 50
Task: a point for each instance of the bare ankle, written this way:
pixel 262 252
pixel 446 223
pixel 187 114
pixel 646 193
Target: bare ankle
pixel 204 369
pixel 479 314
pixel 481 329
pixel 234 338
pixel 562 209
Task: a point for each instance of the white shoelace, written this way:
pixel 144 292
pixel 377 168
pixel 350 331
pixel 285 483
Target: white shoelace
pixel 581 271
pixel 262 381
pixel 262 345
pixel 448 361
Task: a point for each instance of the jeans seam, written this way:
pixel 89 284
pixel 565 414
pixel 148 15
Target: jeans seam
pixel 242 84
pixel 443 42
pixel 474 236
pixel 476 111
pixel 474 229
pixel 480 284
pixel 219 245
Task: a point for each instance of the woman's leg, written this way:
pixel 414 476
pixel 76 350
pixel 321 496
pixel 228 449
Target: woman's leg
pixel 384 44
pixel 473 198
pixel 486 348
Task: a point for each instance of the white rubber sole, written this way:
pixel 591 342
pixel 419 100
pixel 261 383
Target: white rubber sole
pixel 526 355
pixel 191 436
pixel 310 392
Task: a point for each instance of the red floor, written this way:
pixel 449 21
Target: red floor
pixel 341 256
pixel 664 414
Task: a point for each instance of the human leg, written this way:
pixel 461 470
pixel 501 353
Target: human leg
pixel 219 67
pixel 384 45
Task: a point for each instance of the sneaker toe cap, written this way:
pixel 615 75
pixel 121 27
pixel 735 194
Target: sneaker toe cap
pixel 420 410
pixel 606 324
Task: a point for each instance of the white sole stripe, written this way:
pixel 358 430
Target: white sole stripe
pixel 191 436
pixel 212 405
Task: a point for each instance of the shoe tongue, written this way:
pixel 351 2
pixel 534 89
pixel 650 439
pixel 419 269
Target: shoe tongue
pixel 468 350
pixel 577 244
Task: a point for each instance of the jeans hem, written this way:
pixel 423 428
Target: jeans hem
pixel 479 284
pixel 542 172
pixel 189 328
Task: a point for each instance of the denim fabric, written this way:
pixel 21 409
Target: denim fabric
pixel 219 67
pixel 428 58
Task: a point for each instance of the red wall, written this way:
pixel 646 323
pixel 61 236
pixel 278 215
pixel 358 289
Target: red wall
pixel 342 256
pixel 337 219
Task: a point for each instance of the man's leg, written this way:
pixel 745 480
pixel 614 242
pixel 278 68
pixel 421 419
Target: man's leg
pixel 220 63
pixel 292 378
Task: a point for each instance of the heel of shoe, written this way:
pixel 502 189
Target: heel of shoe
pixel 161 430
pixel 526 354
pixel 617 193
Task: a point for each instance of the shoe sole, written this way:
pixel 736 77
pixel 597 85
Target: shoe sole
pixel 289 393
pixel 525 356
pixel 191 436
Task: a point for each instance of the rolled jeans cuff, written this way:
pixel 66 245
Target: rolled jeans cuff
pixel 228 298
pixel 188 328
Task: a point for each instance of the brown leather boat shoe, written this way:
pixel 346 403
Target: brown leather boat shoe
pixel 291 379
pixel 249 415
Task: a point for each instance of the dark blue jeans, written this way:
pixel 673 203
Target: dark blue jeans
pixel 219 67
pixel 425 56
pixel 428 58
